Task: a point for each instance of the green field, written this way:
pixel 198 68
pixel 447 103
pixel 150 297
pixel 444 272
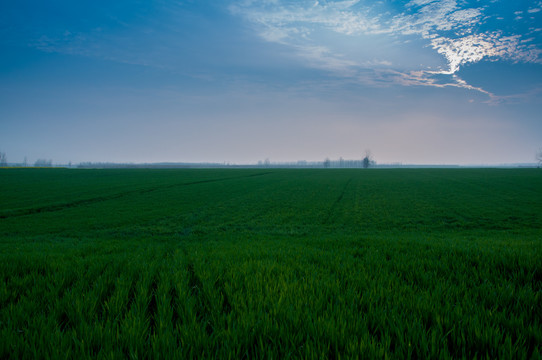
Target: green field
pixel 270 263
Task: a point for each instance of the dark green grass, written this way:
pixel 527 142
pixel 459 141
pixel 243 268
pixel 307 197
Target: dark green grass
pixel 271 263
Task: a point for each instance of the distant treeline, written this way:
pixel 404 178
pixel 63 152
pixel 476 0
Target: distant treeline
pixel 327 163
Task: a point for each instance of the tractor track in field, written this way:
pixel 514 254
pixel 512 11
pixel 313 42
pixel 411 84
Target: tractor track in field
pixel 83 202
pixel 337 202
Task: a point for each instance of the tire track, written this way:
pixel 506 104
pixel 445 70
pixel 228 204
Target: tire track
pixel 337 202
pixel 83 202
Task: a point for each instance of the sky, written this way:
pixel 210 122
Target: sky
pixel 240 81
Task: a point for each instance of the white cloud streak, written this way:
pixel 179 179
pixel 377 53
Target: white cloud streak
pixel 492 46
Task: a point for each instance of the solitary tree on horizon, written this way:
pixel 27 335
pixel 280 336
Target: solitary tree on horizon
pixel 539 157
pixel 367 160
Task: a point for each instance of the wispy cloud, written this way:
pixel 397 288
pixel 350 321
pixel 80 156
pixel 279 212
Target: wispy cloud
pixel 426 18
pixel 90 44
pixel 279 21
pixel 341 37
pixel 448 27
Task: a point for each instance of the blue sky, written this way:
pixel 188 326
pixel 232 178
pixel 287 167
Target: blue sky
pixel 420 81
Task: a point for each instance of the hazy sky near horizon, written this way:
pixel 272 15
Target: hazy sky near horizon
pixel 420 81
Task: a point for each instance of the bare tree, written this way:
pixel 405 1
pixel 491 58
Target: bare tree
pixel 539 157
pixel 3 159
pixel 327 163
pixel 367 160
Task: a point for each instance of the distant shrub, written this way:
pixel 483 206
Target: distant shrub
pixel 43 163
